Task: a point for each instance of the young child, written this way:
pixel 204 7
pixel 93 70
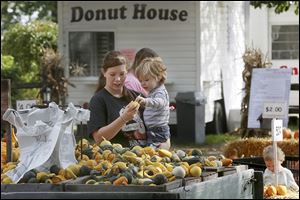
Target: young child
pixel 285 176
pixel 152 75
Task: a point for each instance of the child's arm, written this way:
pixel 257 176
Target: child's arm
pixel 291 183
pixel 157 101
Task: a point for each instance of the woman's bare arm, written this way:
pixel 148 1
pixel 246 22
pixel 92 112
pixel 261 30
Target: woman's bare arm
pixel 111 130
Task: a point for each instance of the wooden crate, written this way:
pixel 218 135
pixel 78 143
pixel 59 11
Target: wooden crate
pixel 78 185
pixel 223 171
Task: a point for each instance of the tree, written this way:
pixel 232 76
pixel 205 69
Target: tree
pixel 13 12
pixel 25 43
pixel 280 6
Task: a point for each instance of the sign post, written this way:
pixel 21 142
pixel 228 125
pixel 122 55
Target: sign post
pixel 276 136
pixel 275 110
pixel 6 127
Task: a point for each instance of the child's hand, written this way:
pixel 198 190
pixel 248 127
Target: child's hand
pixel 140 100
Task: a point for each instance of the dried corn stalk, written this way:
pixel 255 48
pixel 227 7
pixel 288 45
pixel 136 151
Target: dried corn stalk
pixel 253 58
pixel 52 71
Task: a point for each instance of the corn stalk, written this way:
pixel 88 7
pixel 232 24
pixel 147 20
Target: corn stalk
pixel 52 72
pixel 253 58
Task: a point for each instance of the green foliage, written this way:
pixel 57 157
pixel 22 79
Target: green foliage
pixel 8 69
pixel 280 6
pixel 24 44
pixel 13 11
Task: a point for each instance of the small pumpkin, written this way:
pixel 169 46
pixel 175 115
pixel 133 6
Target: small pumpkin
pixel 226 161
pixel 271 190
pixel 287 134
pixel 121 181
pixel 296 135
pixel 281 190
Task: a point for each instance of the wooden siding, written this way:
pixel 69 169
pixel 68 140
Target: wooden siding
pixel 174 41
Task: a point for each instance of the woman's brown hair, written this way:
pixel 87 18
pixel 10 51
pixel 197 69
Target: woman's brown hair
pixel 141 55
pixel 113 59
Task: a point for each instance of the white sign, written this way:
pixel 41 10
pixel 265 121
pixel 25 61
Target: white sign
pixel 276 129
pixel 268 85
pixel 25 104
pixel 274 110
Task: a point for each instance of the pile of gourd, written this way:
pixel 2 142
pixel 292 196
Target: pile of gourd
pixel 109 163
pixel 279 192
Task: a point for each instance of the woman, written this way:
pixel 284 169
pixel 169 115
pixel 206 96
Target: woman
pixel 111 110
pixel 131 82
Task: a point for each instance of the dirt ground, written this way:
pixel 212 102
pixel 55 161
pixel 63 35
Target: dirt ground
pixel 209 150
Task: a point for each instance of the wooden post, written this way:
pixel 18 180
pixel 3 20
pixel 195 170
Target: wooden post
pixel 5 126
pixel 258 185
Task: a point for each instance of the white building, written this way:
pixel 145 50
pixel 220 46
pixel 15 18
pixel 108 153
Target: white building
pixel 277 35
pixel 201 43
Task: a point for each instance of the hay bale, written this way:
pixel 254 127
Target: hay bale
pixel 247 147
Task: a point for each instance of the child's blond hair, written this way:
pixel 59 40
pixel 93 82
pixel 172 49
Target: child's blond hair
pixel 153 67
pixel 269 155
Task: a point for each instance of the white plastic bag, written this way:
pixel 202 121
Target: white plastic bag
pixel 67 142
pixel 45 137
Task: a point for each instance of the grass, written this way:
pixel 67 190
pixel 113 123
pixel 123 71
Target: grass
pixel 211 140
pixel 219 139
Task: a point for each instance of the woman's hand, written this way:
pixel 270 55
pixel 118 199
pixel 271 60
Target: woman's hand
pixel 130 110
pixel 140 100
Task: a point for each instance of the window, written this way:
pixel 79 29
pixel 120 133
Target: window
pixel 285 42
pixel 86 50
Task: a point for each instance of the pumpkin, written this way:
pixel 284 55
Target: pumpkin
pixel 271 190
pixel 281 190
pixel 226 162
pixel 121 181
pixel 286 133
pixel 296 135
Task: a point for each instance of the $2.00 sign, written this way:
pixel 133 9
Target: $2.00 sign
pixel 274 110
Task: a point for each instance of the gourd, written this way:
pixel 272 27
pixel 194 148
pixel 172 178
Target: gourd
pixel 105 144
pixel 160 179
pixel 179 172
pixel 84 170
pixel 54 169
pixel 195 171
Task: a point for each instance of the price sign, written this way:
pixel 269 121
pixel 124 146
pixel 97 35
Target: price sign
pixel 274 110
pixel 268 86
pixel 276 129
pixel 25 104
